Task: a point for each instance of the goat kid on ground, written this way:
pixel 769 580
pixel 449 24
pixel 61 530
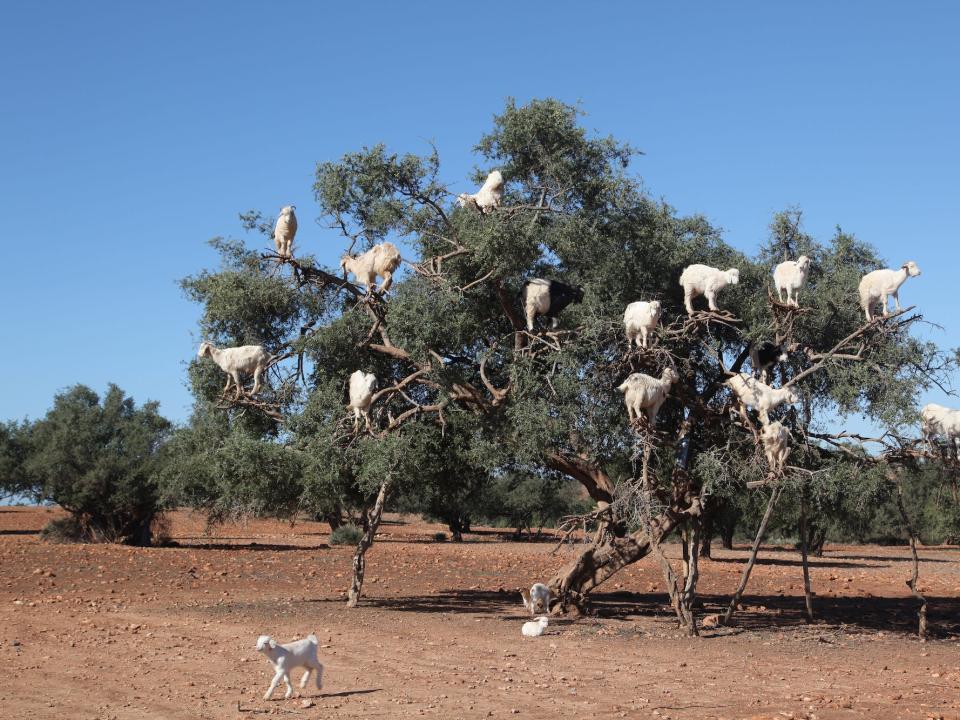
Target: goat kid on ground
pixel 289 657
pixel 537 599
pixel 535 628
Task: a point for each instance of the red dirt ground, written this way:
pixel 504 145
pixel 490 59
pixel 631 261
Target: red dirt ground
pixel 103 631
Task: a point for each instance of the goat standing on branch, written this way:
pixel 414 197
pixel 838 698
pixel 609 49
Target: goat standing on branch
pixel 644 393
pixel 488 197
pixel 237 362
pixel 789 277
pixel 707 281
pixel 879 285
pixel 547 298
pixel 284 231
pixel 381 260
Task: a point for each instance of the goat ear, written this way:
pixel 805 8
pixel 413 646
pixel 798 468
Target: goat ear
pixel 272 643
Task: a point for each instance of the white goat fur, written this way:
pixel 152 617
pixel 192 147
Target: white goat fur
pixel 237 362
pixel 760 396
pixel 382 260
pixel 640 318
pixel 285 230
pixel 939 420
pixel 644 393
pixel 487 197
pixel 361 395
pixel 285 658
pixel 538 599
pixel 789 277
pixel 879 285
pixel 535 628
pixel 707 281
pixel 776 445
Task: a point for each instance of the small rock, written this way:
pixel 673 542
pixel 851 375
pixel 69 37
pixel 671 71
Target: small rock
pixel 307 703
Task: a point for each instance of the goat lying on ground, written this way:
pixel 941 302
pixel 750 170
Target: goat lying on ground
pixel 536 627
pixel 285 658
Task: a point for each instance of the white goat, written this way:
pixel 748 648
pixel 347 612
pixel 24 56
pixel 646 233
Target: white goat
pixel 536 627
pixel 640 318
pixel 382 260
pixel 937 420
pixel 789 277
pixel 538 599
pixel 487 197
pixel 776 445
pixel 285 230
pixel 285 658
pixel 361 395
pixel 760 396
pixel 642 392
pixel 707 281
pixel 237 362
pixel 878 285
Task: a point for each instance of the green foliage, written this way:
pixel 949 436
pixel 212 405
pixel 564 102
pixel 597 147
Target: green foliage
pixel 99 461
pixel 346 535
pixel 571 211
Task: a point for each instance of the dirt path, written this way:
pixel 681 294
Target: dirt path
pixel 114 632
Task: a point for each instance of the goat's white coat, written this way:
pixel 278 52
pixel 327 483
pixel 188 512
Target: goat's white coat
pixel 776 445
pixel 285 230
pixel 535 628
pixel 760 396
pixel 288 657
pixel 538 599
pixel 645 393
pixel 361 395
pixel 707 281
pixel 487 197
pixel 640 319
pixel 789 277
pixel 937 420
pixel 237 362
pixel 879 285
pixel 382 260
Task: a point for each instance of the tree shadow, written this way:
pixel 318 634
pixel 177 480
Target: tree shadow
pixel 787 562
pixel 348 693
pixel 237 547
pixel 779 612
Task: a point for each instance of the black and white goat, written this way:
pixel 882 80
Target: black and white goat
pixel 547 298
pixel 765 355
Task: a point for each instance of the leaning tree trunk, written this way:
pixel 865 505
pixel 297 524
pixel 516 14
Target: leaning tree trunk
pixel 745 578
pixel 371 524
pixel 597 564
pixel 915 567
pixel 807 593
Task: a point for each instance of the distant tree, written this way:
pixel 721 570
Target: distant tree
pixel 99 461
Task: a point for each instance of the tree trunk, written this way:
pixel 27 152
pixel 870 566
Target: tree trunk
pixel 915 567
pixel 744 579
pixel 807 594
pixel 371 521
pixel 597 564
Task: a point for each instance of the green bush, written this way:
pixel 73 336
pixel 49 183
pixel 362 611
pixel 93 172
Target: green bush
pixel 346 535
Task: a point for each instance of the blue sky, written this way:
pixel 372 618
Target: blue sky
pixel 130 134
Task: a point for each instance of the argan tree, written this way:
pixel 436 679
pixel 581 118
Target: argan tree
pixel 465 388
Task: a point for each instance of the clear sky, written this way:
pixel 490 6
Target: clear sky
pixel 130 133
